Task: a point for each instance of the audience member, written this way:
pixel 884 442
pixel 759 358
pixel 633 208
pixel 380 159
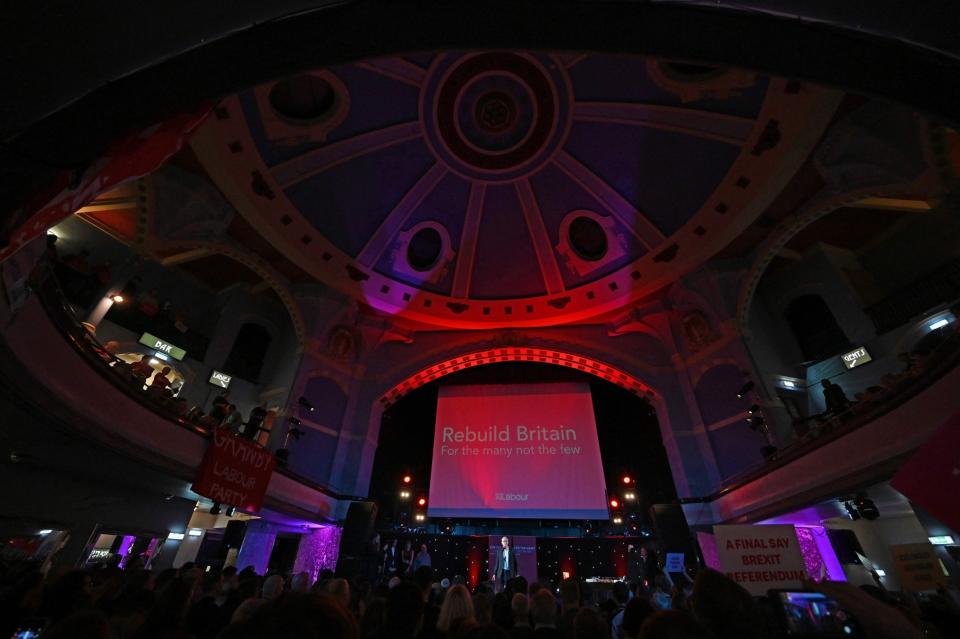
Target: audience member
pixel 456 613
pixel 723 605
pixel 634 615
pixel 589 624
pixel 522 629
pixel 339 589
pixel 673 624
pixel 569 606
pixel 543 612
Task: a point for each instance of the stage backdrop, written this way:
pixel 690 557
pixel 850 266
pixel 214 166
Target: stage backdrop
pixel 517 451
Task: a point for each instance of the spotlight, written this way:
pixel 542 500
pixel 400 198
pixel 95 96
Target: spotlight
pixel 404 494
pixel 117 298
pixel 420 517
pixel 630 496
pixel 746 388
pixel 614 503
pixel 618 520
pixel 305 403
pixel 407 479
pixel 447 527
pixel 851 511
pixel 45 531
pixel 422 502
pixel 865 506
pixel 627 479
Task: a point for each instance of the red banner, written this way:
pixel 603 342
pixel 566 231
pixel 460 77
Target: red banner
pixel 931 477
pixel 234 471
pixel 131 157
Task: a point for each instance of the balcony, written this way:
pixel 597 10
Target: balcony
pixel 54 356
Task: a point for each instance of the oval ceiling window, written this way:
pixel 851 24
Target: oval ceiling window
pixel 303 97
pixel 424 249
pixel 588 238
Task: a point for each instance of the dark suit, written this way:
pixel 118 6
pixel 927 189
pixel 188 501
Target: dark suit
pixel 505 571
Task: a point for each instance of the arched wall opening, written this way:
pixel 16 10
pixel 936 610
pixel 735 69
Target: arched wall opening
pixel 627 429
pixel 683 464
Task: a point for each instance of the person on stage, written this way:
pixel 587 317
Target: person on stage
pixel 406 559
pixel 390 559
pixel 506 565
pixel 422 558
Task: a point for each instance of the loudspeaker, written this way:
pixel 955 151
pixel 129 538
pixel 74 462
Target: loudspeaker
pixel 233 535
pixel 846 544
pixel 358 528
pixel 673 533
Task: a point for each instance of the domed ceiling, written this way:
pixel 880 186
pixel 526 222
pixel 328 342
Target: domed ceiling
pixel 508 188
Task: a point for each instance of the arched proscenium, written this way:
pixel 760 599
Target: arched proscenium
pixel 518 354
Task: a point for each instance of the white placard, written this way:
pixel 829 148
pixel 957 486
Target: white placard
pixel 760 558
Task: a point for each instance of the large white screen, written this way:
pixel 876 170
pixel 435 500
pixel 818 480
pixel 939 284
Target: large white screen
pixel 518 451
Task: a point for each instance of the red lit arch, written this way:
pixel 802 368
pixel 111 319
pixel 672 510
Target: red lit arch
pixel 518 354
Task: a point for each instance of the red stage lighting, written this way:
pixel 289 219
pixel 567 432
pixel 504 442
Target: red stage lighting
pixel 614 503
pixel 407 479
pixel 422 501
pixel 627 479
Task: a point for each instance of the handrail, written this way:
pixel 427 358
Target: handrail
pixel 795 451
pixel 45 284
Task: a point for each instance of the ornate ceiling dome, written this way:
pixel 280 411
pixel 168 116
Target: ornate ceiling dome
pixel 508 188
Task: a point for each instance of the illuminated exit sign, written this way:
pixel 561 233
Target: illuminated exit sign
pixel 855 358
pixel 157 344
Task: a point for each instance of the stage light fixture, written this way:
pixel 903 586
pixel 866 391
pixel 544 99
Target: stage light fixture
pixel 614 503
pixel 404 494
pixel 117 298
pixel 865 506
pixel 420 517
pixel 630 496
pixel 851 511
pixel 627 479
pixel 303 401
pixel 447 527
pixel 618 520
pixel 753 409
pixel 407 479
pixel 45 531
pixel 746 388
pixel 422 502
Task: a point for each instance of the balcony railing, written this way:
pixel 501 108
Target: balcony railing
pixel 899 390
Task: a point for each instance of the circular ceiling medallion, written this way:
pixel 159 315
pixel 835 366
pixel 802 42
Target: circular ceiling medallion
pixel 495 116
